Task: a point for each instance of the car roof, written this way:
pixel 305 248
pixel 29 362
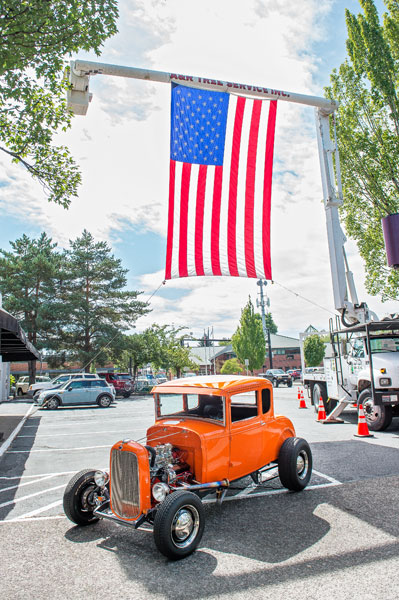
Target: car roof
pixel 228 383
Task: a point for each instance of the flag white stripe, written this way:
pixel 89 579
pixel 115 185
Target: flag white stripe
pixel 206 248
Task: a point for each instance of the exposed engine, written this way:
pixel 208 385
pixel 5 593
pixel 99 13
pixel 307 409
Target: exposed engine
pixel 167 464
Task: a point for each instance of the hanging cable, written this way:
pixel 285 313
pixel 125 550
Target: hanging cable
pixel 303 298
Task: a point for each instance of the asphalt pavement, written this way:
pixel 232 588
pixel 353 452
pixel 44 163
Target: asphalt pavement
pixel 338 538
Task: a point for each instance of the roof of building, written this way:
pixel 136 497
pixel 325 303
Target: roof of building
pixel 14 345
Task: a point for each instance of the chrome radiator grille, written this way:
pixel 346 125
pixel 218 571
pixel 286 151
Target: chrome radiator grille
pixel 125 486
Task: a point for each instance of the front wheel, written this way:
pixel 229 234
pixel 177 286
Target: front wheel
pixel 19 392
pixel 179 524
pixel 79 498
pixel 378 418
pixel 289 384
pixel 295 464
pixel 275 383
pixel 52 403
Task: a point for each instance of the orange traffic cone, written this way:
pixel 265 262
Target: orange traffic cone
pixel 362 429
pixel 299 394
pixel 321 415
pixel 302 403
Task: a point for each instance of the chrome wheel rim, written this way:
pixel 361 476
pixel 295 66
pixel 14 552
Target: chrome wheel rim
pixel 185 526
pixel 52 403
pixel 302 464
pixel 371 411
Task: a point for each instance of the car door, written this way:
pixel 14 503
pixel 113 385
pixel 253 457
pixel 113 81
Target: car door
pixel 246 435
pixel 77 392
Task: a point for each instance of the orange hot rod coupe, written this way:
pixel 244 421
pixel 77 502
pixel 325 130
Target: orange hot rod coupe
pixel 209 431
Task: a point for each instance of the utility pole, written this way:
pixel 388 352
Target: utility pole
pixel 266 330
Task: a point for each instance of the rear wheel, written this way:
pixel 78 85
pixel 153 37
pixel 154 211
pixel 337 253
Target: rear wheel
pixel 179 525
pixel 79 498
pixel 378 418
pixel 19 392
pixel 104 401
pixel 295 464
pixel 317 392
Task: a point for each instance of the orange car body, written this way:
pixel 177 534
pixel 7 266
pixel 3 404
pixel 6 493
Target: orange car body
pixel 227 449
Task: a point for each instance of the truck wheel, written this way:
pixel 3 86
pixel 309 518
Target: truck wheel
pixel 295 464
pixel 319 390
pixel 289 384
pixel 79 498
pixel 378 418
pixel 104 401
pixel 179 524
pixel 19 392
pixel 275 383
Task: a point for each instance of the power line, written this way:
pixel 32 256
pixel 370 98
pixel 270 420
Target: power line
pixel 303 298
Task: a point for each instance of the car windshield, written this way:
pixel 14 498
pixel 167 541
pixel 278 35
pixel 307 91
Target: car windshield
pixel 120 376
pixel 198 406
pixel 388 344
pixel 278 372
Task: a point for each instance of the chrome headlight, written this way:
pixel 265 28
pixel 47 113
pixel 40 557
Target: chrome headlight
pixel 101 478
pixel 160 491
pixel 385 381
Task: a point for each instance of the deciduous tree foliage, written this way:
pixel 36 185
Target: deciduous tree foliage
pixel 231 367
pixel 36 36
pixel 366 86
pixel 248 340
pixel 314 350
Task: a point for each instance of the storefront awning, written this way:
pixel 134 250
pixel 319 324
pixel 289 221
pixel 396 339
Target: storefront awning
pixel 14 345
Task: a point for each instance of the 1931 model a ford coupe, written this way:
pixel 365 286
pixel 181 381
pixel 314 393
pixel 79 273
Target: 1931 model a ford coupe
pixel 208 432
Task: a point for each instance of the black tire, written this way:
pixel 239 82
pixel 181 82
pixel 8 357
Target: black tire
pixel 127 394
pixel 295 464
pixel 52 403
pixel 78 505
pixel 20 392
pixel 289 384
pixel 187 507
pixel 275 383
pixel 378 418
pixel 317 391
pixel 104 401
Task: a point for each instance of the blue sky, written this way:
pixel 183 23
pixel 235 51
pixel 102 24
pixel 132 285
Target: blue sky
pixel 122 146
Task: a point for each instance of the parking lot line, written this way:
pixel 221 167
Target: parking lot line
pixel 31 495
pixel 57 449
pixel 32 513
pixel 330 479
pixel 41 435
pixel 37 480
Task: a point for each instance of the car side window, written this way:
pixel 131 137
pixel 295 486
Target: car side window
pixel 265 400
pixel 243 406
pixel 76 385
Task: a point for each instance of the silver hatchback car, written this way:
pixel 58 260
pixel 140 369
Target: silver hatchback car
pixel 77 392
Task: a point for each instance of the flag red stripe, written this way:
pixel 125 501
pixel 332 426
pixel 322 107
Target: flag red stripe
pixel 250 189
pixel 267 188
pixel 184 194
pixel 169 243
pixel 232 212
pixel 215 224
pixel 199 221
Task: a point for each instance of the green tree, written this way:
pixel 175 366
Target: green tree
pixel 248 341
pixel 314 350
pixel 36 37
pixel 366 86
pixel 206 340
pixel 231 367
pixel 97 307
pixel 139 349
pixel 28 280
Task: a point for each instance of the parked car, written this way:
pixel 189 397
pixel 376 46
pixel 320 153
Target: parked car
pixel 295 373
pixel 143 385
pixel 22 385
pixel 209 431
pixel 278 377
pixel 122 383
pixel 78 391
pixel 36 388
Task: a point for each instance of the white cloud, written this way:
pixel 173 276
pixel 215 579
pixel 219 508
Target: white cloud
pixel 122 146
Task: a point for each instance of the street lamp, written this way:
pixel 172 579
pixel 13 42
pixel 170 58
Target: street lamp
pixel 266 330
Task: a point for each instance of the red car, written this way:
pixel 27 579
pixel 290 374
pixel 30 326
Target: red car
pixel 122 383
pixel 295 373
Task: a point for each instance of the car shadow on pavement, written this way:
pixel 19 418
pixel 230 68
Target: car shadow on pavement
pixel 256 543
pixel 12 465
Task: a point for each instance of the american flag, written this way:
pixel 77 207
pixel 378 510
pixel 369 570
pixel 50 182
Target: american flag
pixel 221 160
